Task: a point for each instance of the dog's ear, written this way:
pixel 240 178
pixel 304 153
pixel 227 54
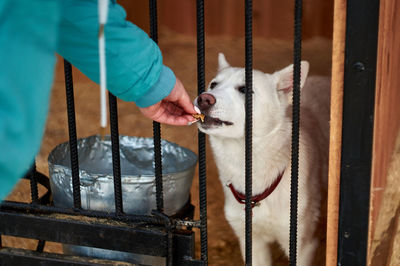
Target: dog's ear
pixel 222 63
pixel 285 77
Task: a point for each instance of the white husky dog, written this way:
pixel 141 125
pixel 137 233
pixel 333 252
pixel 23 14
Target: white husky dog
pixel 224 107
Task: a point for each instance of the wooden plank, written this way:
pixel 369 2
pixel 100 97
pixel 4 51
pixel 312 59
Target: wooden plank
pixel 387 109
pixel 339 35
pixel 137 12
pixel 272 19
pixel 385 244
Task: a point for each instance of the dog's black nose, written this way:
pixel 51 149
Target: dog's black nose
pixel 205 101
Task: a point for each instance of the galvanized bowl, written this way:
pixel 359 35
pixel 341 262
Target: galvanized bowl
pixel 138 182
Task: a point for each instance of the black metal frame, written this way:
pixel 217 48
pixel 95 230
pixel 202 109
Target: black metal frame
pixel 357 133
pixel 129 233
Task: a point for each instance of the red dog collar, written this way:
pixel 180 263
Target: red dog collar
pixel 241 198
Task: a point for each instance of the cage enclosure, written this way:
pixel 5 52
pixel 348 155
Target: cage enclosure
pixel 350 40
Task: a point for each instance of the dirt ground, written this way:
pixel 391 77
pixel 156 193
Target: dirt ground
pixel 180 54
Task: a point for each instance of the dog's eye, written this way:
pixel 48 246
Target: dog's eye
pixel 213 84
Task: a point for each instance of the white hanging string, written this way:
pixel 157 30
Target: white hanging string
pixel 103 14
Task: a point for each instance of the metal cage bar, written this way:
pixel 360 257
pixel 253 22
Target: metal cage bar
pixel 40 246
pixel 157 149
pixel 201 135
pixel 248 127
pixel 112 100
pixel 33 184
pixel 35 198
pixel 69 86
pixel 156 125
pixel 295 132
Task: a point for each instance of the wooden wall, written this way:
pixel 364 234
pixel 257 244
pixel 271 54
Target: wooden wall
pixel 272 19
pixel 387 107
pixel 386 120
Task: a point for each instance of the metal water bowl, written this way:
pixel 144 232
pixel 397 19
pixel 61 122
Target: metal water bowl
pixel 138 182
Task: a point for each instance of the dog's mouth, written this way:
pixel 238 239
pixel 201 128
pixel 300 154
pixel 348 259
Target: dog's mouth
pixel 213 121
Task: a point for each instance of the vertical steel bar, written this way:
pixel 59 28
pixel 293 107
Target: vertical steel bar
pixel 35 199
pixel 295 132
pixel 72 134
pixel 156 125
pixel 40 245
pixel 112 100
pixel 157 140
pixel 33 184
pixel 158 166
pixel 202 136
pixel 249 125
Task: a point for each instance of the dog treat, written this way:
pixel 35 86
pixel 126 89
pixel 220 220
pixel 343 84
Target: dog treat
pixel 199 117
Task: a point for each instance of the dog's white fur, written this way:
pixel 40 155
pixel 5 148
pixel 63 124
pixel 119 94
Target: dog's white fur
pixel 271 154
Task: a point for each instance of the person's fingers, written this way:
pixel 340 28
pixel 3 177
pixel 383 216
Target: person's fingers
pixel 168 118
pixel 178 121
pixel 186 104
pixel 167 113
pixel 175 115
pixel 173 108
pixel 180 97
pixel 190 118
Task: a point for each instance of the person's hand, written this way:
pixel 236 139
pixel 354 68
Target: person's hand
pixel 175 109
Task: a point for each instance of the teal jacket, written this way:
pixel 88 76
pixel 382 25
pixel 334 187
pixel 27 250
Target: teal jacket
pixel 30 34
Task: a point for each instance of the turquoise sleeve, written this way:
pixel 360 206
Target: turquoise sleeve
pixel 28 38
pixel 135 71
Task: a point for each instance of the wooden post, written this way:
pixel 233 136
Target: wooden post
pixel 338 48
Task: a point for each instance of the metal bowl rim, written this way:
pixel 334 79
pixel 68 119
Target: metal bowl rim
pixel 164 174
